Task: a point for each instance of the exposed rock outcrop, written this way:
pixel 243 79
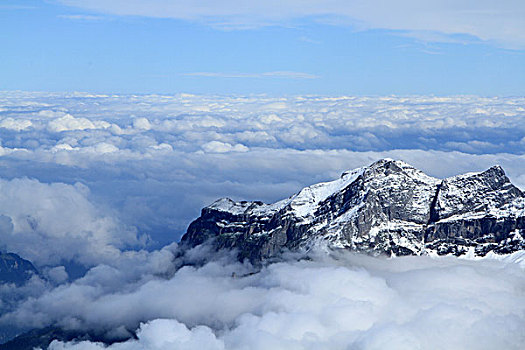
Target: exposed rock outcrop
pixel 388 208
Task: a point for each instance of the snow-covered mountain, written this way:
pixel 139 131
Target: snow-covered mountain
pixel 388 208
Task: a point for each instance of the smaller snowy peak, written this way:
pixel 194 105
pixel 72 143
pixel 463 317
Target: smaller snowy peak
pixel 238 208
pixel 389 207
pixel 494 173
pixel 474 193
pixel 228 205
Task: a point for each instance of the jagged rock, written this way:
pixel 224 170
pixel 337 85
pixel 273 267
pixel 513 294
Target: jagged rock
pixel 388 208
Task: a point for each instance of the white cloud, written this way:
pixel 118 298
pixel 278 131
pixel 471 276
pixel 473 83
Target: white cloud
pixel 57 274
pixel 51 223
pixel 104 147
pixel 68 123
pixel 15 124
pixel 277 74
pixel 142 124
pixel 502 22
pixel 82 17
pixel 223 147
pixel 352 301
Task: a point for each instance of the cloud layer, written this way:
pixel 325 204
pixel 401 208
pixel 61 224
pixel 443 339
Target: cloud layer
pixel 349 301
pixel 500 22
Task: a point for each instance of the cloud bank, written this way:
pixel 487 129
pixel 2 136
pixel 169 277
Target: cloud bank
pixel 341 302
pixel 50 224
pixel 500 22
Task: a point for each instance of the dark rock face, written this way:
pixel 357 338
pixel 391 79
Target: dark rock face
pixel 41 338
pixel 387 208
pixel 472 193
pixel 14 269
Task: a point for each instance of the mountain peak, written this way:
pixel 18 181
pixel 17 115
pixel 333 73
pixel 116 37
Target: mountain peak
pixel 389 207
pixel 390 164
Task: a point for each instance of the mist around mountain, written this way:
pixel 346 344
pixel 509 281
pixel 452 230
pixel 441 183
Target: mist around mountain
pixel 324 290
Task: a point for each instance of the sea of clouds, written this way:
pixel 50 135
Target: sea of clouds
pixel 95 190
pixel 343 301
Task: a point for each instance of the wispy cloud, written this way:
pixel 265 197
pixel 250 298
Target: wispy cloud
pixel 501 22
pixel 309 40
pixel 276 74
pixel 82 17
pixel 17 7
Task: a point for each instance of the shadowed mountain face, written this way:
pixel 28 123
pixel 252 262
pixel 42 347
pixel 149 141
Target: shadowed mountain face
pixel 388 208
pixel 14 269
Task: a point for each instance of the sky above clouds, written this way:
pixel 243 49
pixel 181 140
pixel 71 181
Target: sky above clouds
pixel 276 47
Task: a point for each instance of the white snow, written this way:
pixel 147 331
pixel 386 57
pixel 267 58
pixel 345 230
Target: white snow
pixel 307 200
pixel 303 204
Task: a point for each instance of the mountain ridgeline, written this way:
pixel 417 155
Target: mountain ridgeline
pixel 388 208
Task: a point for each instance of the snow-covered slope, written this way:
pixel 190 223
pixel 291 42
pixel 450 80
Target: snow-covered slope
pixel 388 207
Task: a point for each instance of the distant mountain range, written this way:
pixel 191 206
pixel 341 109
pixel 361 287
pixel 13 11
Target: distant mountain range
pixel 389 208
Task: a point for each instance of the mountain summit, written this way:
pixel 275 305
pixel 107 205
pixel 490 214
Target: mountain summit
pixel 389 208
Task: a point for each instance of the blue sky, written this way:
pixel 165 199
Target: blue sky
pixel 331 48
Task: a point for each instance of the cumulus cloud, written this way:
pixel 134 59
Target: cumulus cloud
pixel 54 223
pixel 477 125
pixel 68 123
pixel 16 125
pixel 142 124
pixel 501 22
pixel 223 147
pixel 339 302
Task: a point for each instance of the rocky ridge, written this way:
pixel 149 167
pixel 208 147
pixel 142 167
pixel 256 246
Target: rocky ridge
pixel 387 208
